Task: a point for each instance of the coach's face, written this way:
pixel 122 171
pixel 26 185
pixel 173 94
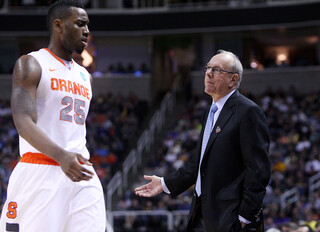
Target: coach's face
pixel 76 31
pixel 219 79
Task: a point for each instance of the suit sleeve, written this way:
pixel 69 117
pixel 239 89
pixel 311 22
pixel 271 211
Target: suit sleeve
pixel 254 144
pixel 185 177
pixel 182 179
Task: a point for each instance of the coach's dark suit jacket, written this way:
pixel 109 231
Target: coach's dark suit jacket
pixel 235 169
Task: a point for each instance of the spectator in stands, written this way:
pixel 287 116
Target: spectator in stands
pixel 312 165
pixel 317 227
pixel 289 227
pixel 273 230
pixel 120 68
pixel 269 223
pixel 144 68
pixel 224 175
pixel 304 228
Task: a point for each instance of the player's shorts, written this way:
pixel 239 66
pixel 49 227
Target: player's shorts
pixel 41 198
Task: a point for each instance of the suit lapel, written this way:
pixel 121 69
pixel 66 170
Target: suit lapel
pixel 222 120
pixel 218 127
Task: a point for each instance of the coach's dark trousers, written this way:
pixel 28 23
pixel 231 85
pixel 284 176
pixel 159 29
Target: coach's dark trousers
pixel 197 223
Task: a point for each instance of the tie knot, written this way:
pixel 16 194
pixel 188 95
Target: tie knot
pixel 213 108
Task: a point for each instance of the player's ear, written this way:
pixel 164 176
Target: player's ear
pixel 58 25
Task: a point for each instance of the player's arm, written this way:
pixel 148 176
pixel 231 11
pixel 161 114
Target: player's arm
pixel 25 80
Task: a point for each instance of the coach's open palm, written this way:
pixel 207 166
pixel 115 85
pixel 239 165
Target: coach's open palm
pixel 151 189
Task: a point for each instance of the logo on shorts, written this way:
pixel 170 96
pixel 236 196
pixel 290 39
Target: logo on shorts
pixel 12 210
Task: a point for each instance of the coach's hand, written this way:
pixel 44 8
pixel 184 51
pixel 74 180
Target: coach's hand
pixel 71 165
pixel 151 189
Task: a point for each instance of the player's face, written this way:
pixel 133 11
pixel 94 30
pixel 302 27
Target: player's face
pixel 218 84
pixel 76 33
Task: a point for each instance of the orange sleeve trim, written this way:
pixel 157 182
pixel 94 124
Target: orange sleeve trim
pixel 61 61
pixel 37 158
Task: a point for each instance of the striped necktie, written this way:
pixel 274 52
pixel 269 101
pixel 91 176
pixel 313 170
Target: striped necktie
pixel 205 139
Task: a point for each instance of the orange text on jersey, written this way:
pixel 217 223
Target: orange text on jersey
pixel 70 87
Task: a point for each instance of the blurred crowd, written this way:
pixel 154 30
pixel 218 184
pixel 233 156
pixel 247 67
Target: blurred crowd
pixel 112 128
pixel 9 148
pixel 294 122
pixel 120 68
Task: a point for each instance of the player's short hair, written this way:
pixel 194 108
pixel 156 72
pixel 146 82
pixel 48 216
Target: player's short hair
pixel 61 10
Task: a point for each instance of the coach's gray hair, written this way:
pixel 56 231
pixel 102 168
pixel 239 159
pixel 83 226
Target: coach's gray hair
pixel 235 66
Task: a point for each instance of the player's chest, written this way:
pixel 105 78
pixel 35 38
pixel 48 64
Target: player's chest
pixel 69 82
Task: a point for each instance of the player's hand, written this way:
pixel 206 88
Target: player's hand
pixel 151 189
pixel 71 165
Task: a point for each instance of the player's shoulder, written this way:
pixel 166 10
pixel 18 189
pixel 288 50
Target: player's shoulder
pixel 26 70
pixel 39 53
pixel 80 67
pixel 83 71
pixel 32 58
pixel 27 62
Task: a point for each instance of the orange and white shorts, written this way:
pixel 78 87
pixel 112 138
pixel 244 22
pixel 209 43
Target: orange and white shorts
pixel 40 197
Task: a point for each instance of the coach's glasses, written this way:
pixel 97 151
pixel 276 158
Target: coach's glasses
pixel 216 71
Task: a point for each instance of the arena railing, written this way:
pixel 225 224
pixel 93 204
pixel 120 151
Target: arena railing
pixel 173 218
pixel 314 184
pixel 289 197
pixel 114 184
pixel 119 181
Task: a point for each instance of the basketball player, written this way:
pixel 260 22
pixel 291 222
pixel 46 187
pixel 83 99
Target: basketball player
pixel 54 187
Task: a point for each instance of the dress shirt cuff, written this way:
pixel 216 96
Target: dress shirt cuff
pixel 164 186
pixel 244 220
